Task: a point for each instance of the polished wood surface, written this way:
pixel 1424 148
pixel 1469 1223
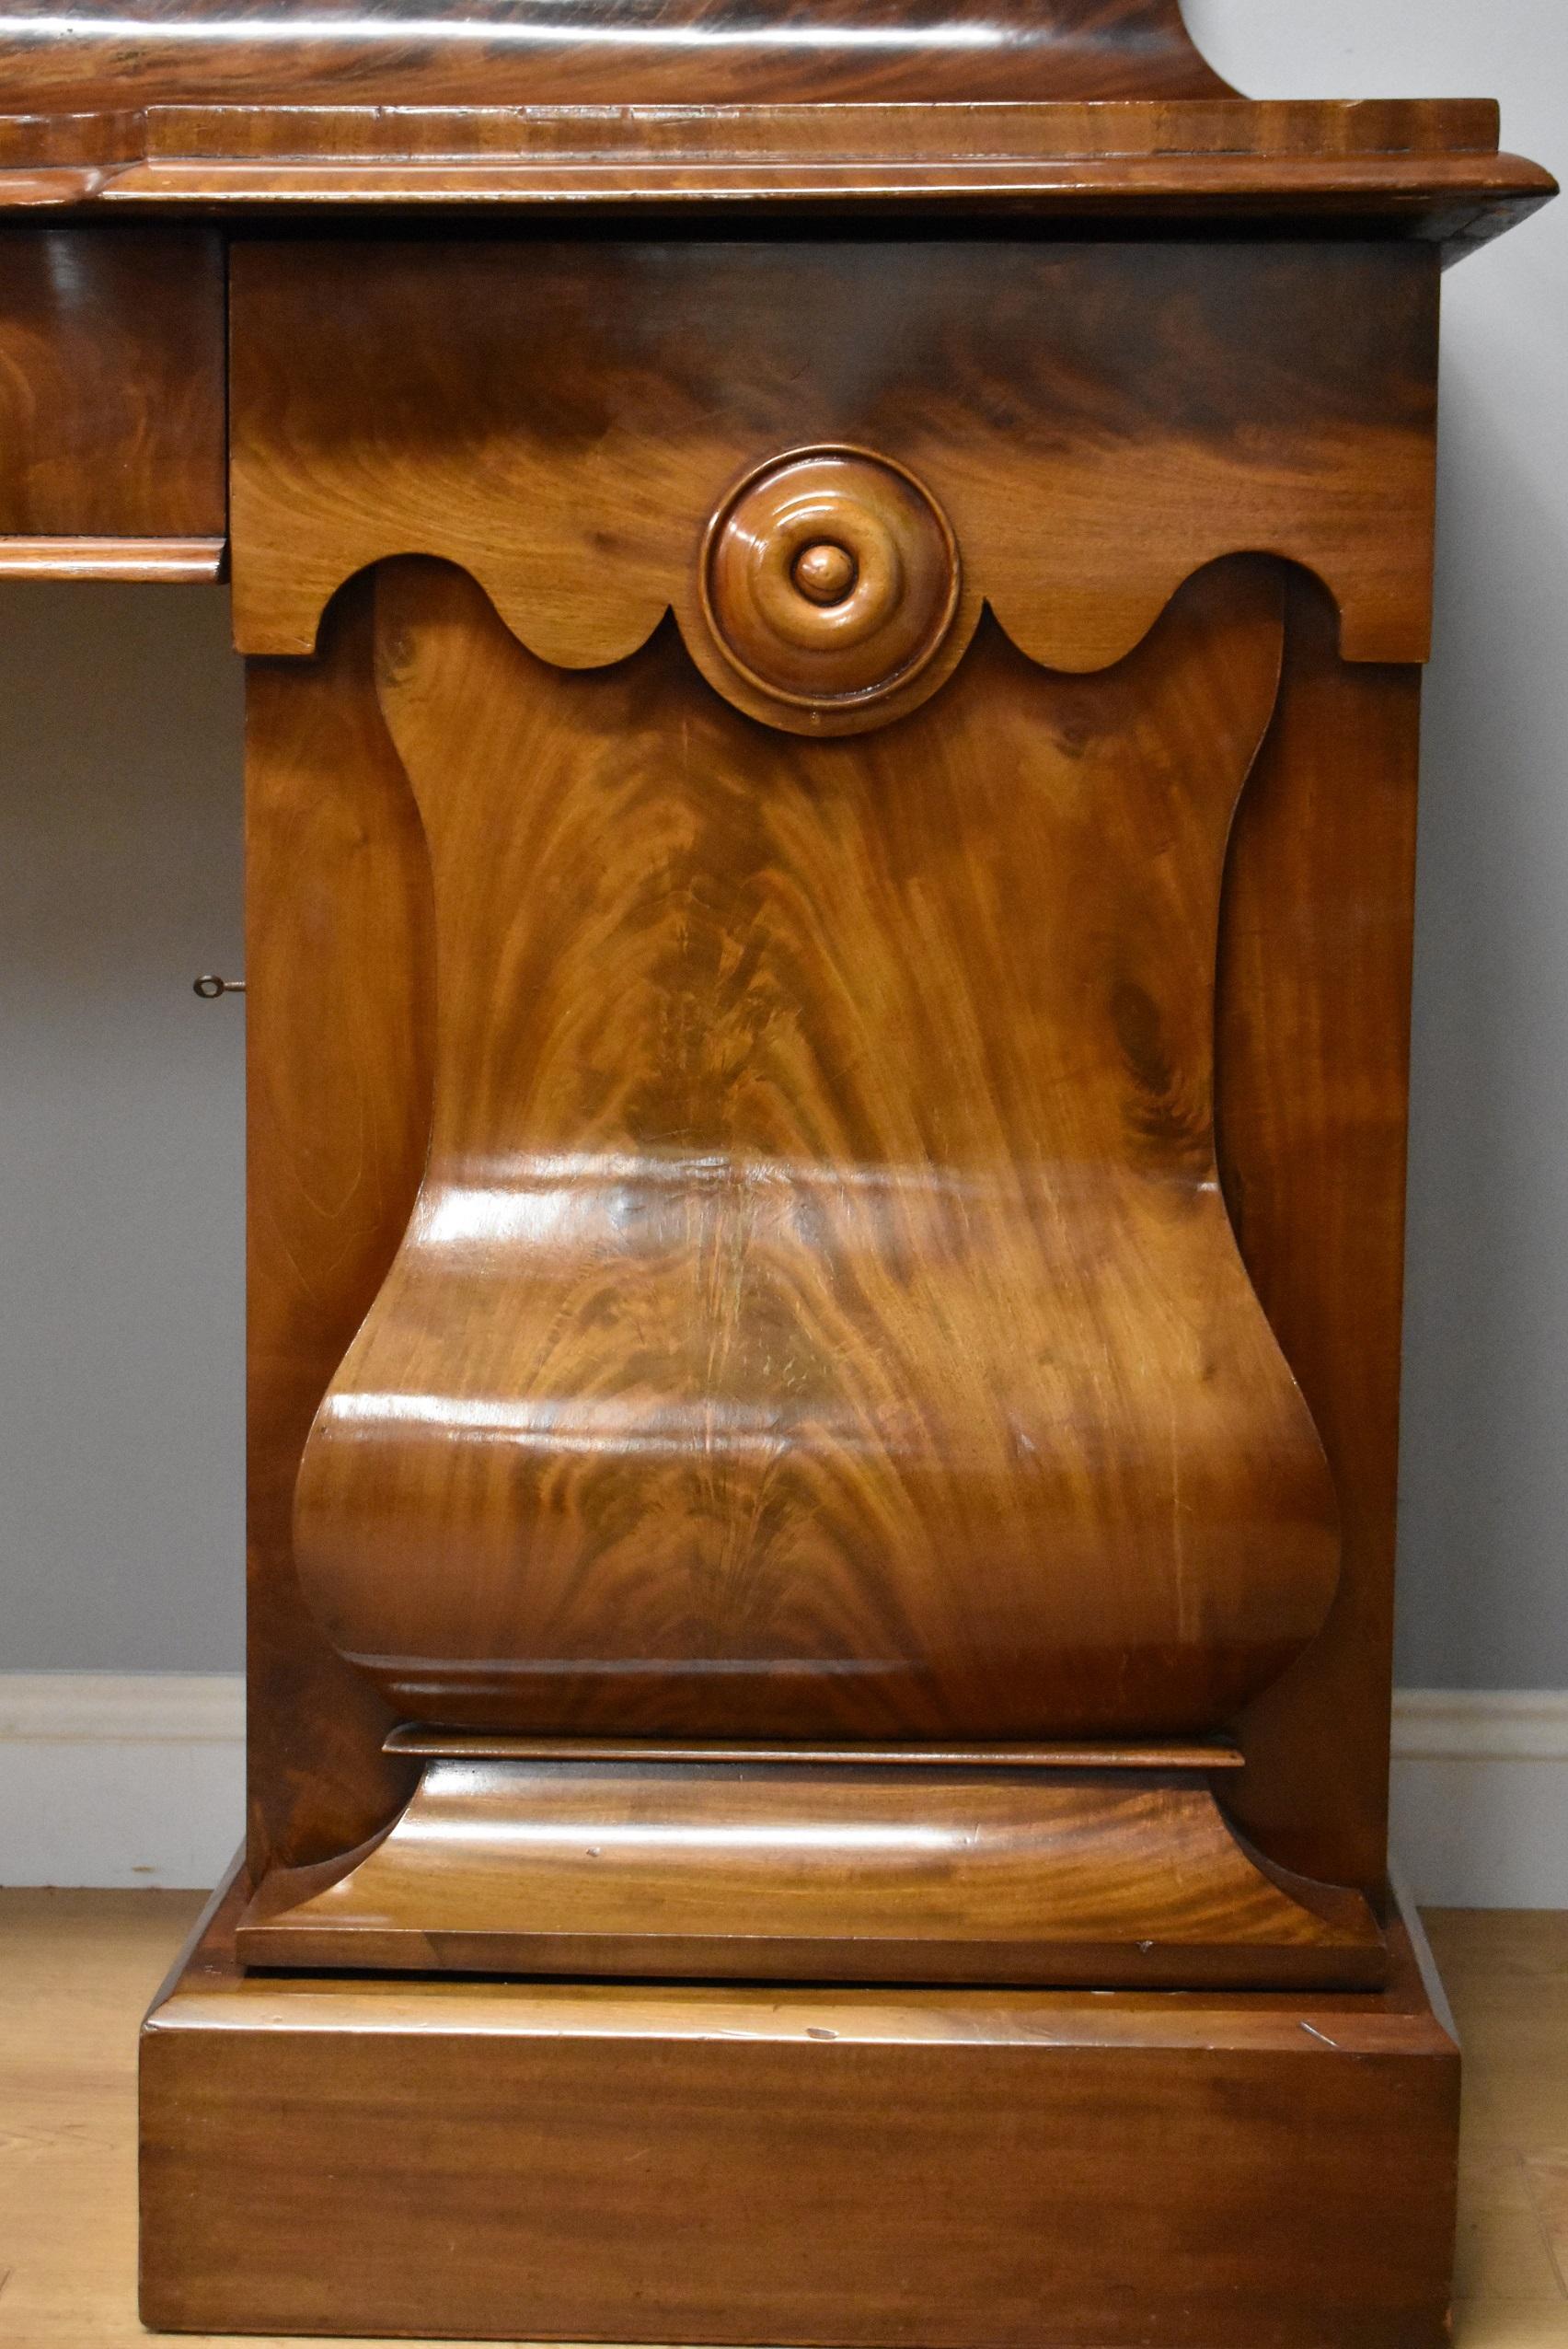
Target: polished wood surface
pixel 1096 423
pixel 829 581
pixel 945 130
pixel 80 1968
pixel 819 1316
pixel 111 401
pixel 1201 1755
pixel 567 2161
pixel 831 820
pixel 1313 1084
pixel 1428 169
pixel 159 561
pixel 337 958
pixel 1315 1793
pixel 798 1871
pixel 686 52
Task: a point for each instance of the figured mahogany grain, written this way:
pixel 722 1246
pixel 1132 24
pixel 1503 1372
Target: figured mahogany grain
pixel 819 1317
pixel 1313 1089
pixel 1099 418
pixel 1334 1742
pixel 555 2161
pixel 781 1871
pixel 945 130
pixel 1096 423
pixel 111 389
pixel 1425 169
pixel 687 52
pixel 338 1062
pixel 1315 949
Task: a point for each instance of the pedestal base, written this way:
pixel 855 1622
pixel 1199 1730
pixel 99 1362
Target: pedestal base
pixel 890 2169
pixel 994 1866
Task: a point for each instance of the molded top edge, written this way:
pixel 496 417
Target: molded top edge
pixel 1428 169
pixel 1058 104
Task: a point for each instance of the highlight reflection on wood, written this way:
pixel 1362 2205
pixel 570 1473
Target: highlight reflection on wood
pixel 830 581
pixel 820 1316
pixel 1313 1046
pixel 571 464
pixel 112 423
pixel 781 1871
pixel 1096 421
pixel 685 52
pixel 338 914
pixel 831 771
pixel 890 2169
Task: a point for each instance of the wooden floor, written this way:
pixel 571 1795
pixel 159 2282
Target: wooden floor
pixel 77 1970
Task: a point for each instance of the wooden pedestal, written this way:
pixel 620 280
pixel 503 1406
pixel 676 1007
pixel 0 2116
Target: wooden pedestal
pixel 833 594
pixel 730 2163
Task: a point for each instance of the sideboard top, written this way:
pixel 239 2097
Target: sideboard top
pixel 1087 108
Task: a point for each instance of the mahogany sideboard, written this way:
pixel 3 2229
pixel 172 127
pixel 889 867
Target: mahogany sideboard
pixel 834 597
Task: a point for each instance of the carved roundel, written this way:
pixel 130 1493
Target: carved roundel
pixel 830 578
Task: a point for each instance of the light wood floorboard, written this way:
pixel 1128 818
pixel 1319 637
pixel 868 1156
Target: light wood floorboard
pixel 77 1970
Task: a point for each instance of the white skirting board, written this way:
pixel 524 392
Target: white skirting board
pixel 1481 1797
pixel 123 1780
pixel 110 1779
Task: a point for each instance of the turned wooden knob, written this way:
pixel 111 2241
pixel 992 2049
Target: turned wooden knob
pixel 830 576
pixel 826 573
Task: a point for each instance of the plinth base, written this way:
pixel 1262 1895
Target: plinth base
pixel 993 1867
pixel 727 2163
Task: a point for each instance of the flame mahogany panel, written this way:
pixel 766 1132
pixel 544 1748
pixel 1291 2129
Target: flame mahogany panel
pixel 1339 756
pixel 337 955
pixel 111 402
pixel 685 52
pixel 784 1872
pixel 1096 423
pixel 1314 1043
pixel 820 1317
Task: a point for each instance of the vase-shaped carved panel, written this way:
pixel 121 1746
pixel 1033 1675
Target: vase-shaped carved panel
pixel 820 1316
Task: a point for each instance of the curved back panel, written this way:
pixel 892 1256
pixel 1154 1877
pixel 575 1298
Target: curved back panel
pixel 505 52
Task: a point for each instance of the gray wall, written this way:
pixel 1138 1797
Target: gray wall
pixel 1484 1531
pixel 120 1131
pixel 120 1145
